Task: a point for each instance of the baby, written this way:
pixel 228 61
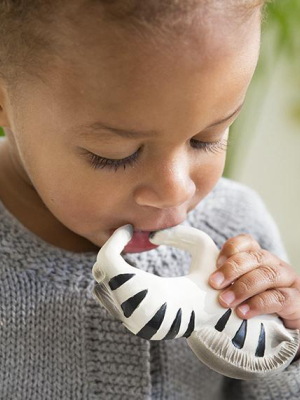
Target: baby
pixel 118 112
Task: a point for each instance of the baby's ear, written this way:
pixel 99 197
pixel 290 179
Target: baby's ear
pixel 4 106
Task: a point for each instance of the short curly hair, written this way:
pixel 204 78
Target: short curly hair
pixel 28 28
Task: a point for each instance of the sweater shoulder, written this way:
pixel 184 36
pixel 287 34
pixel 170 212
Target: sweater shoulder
pixel 231 202
pixel 232 196
pixel 233 208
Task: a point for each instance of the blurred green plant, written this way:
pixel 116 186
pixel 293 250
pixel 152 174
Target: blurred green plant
pixel 1 132
pixel 282 17
pixel 282 22
pixel 285 14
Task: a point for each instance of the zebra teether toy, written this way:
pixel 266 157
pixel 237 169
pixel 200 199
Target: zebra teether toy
pixel 160 308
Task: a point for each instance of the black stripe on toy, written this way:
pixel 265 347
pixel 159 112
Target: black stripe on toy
pixel 118 280
pixel 154 324
pixel 220 325
pixel 175 326
pixel 240 336
pixel 133 302
pixel 260 350
pixel 191 326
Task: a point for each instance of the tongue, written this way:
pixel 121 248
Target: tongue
pixel 140 240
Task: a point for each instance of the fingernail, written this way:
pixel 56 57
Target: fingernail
pixel 221 261
pixel 228 297
pixel 244 309
pixel 217 278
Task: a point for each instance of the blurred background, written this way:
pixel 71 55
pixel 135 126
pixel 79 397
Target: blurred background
pixel 264 142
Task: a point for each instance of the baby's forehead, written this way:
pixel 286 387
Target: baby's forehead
pixel 193 37
pixel 113 46
pixel 132 85
pixel 39 33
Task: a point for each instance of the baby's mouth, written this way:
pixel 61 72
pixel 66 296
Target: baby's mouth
pixel 139 242
pixel 140 239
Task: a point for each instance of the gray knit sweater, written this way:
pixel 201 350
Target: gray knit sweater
pixel 57 342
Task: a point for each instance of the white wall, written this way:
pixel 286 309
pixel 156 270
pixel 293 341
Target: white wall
pixel 267 152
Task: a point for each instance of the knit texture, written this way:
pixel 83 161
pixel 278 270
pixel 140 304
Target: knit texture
pixel 58 342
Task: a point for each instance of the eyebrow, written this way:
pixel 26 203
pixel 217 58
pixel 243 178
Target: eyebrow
pixel 95 127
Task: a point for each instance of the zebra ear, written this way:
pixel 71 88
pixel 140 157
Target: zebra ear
pixel 103 294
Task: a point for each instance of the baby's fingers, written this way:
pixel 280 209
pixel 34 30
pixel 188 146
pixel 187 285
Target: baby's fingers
pixel 237 244
pixel 283 301
pixel 243 263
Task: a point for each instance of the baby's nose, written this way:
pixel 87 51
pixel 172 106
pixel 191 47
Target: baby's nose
pixel 166 189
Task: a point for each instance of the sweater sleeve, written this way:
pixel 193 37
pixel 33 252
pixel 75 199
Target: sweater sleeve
pixel 284 385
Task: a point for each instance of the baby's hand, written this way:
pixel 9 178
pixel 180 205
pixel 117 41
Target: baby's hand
pixel 258 280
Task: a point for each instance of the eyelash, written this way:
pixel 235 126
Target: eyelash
pixel 98 162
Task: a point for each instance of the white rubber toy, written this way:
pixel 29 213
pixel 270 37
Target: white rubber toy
pixel 159 308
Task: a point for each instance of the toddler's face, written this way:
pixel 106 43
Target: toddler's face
pixel 178 94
